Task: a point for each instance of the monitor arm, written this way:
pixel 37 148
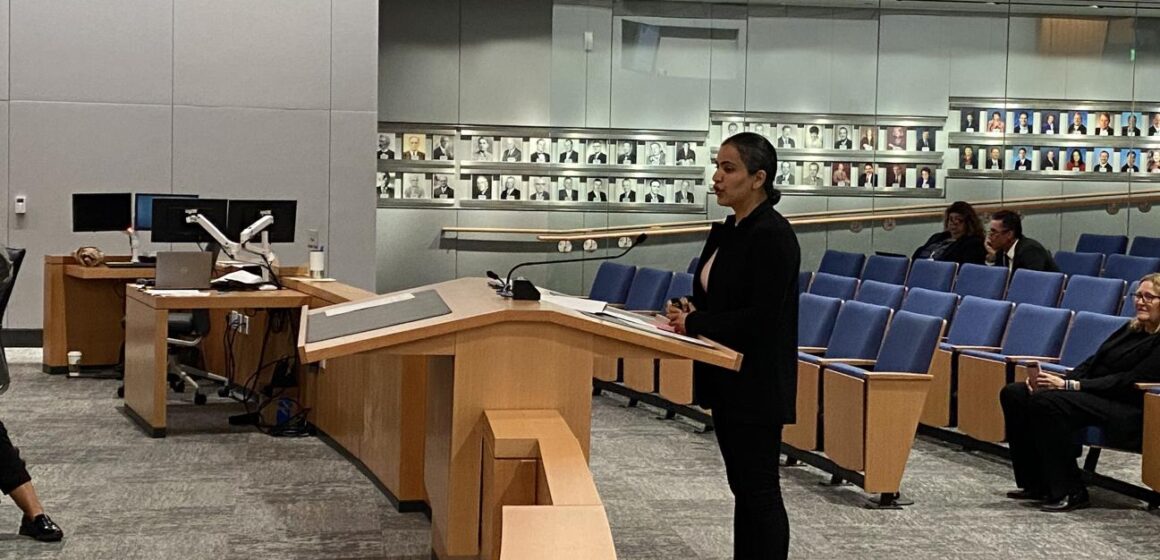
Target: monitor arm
pixel 134 245
pixel 241 251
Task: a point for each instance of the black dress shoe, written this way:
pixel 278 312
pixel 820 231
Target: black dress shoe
pixel 1026 495
pixel 41 528
pixel 1068 503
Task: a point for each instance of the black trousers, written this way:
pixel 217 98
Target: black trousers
pixel 751 452
pixel 1041 432
pixel 13 473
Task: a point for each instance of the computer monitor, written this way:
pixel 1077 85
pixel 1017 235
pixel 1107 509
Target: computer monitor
pixel 245 212
pixel 169 225
pixel 102 211
pixel 143 212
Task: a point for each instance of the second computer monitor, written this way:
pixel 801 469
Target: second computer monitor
pixel 102 211
pixel 169 225
pixel 143 215
pixel 246 212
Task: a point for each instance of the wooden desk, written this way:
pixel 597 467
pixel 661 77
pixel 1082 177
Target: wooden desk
pixel 491 353
pixel 83 307
pixel 146 327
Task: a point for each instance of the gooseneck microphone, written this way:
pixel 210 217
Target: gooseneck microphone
pixel 524 290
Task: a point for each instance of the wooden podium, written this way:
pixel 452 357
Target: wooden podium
pixel 491 353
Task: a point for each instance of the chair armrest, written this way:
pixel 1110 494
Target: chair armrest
pixel 812 349
pixel 961 347
pixel 897 376
pixel 1030 359
pixel 1147 386
pixel 848 361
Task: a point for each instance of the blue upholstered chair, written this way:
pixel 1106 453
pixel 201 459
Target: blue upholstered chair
pixel 1097 295
pixel 930 302
pixel 1145 246
pixel 1106 244
pixel 979 325
pixel 805 277
pixel 932 275
pixel 888 397
pixel 1036 287
pixel 612 282
pixel 842 263
pixel 816 318
pixel 1077 264
pixel 680 286
pixel 857 335
pixel 981 281
pixel 1129 268
pixel 1128 305
pixel 1088 331
pixel 647 292
pixel 890 270
pixel 1034 332
pixel 833 285
pixel 881 293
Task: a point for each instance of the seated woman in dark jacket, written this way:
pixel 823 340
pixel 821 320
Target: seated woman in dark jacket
pixel 960 241
pixel 1043 415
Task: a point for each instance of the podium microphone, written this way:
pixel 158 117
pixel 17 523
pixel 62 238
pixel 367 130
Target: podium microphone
pixel 524 290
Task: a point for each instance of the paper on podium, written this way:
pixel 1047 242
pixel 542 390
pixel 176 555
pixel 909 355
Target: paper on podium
pixel 582 305
pixel 642 323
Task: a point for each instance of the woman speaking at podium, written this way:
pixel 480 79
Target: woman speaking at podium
pixel 745 297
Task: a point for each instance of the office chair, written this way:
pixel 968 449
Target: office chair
pixel 15 258
pixel 186 331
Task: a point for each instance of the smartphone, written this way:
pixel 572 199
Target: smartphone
pixel 1033 375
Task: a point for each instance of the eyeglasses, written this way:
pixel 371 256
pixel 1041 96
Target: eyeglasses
pixel 1146 298
pixel 997 232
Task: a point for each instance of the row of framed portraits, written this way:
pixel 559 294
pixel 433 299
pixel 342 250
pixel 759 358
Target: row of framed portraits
pixel 416 146
pixel 854 174
pixel 838 136
pixel 446 186
pixel 1055 158
pixel 1050 121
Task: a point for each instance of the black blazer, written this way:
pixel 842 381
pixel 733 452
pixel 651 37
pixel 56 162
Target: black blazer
pixel 968 249
pixel 1031 254
pixel 1124 359
pixel 750 306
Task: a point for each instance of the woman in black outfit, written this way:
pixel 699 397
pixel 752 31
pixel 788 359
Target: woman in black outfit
pixel 1043 415
pixel 745 297
pixel 960 241
pixel 16 483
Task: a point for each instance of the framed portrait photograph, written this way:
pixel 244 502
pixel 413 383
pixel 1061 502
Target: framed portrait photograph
pixel 788 136
pixel 1130 160
pixel 483 187
pixel 1104 124
pixel 996 121
pixel 443 148
pixel 686 153
pixel 656 191
pixel 969 120
pixel 541 150
pixel 993 158
pixel 1154 127
pixel 1130 123
pixel 1049 122
pixel 757 128
pixel 843 139
pixel 414 146
pixel 968 159
pixel 868 137
pixel 386 149
pixel 1104 163
pixel 386 184
pixel 597 154
pixel 1076 160
pixel 596 190
pixel 415 185
pixel 684 191
pixel 541 189
pixel 625 190
pixel 786 174
pixel 658 153
pixel 512 150
pixel 568 150
pixel 1022 122
pixel 568 189
pixel 729 129
pixel 1153 165
pixel 925 178
pixel 511 187
pixel 1050 158
pixel 896 138
pixel 625 152
pixel 839 175
pixel 813 174
pixel 1077 122
pixel 441 187
pixel 1021 158
pixel 896 175
pixel 483 148
pixel 924 139
pixel 815 137
pixel 867 175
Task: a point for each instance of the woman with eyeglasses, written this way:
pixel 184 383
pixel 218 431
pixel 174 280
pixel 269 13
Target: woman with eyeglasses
pixel 960 241
pixel 1044 413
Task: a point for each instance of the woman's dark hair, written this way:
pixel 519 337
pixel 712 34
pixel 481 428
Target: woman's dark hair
pixel 758 155
pixel 971 221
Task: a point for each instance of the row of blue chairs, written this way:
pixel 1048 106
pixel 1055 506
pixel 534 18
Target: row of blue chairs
pixel 639 289
pixel 1142 246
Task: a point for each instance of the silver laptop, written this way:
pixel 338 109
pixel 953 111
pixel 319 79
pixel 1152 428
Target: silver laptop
pixel 183 270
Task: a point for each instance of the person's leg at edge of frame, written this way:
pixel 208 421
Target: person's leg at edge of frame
pixel 752 453
pixel 17 484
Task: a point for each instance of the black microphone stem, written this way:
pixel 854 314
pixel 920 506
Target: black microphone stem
pixel 640 239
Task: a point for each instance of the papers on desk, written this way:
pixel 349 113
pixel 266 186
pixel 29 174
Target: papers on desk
pixel 582 305
pixel 240 277
pixel 176 293
pixel 645 324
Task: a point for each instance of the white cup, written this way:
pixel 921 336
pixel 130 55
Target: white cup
pixel 317 264
pixel 74 361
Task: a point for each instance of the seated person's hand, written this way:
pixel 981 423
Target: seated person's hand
pixel 1048 381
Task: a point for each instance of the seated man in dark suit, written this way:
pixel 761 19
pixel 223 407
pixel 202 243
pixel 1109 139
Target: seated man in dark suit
pixel 1007 247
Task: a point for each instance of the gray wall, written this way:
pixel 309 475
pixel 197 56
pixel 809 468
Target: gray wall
pixel 231 98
